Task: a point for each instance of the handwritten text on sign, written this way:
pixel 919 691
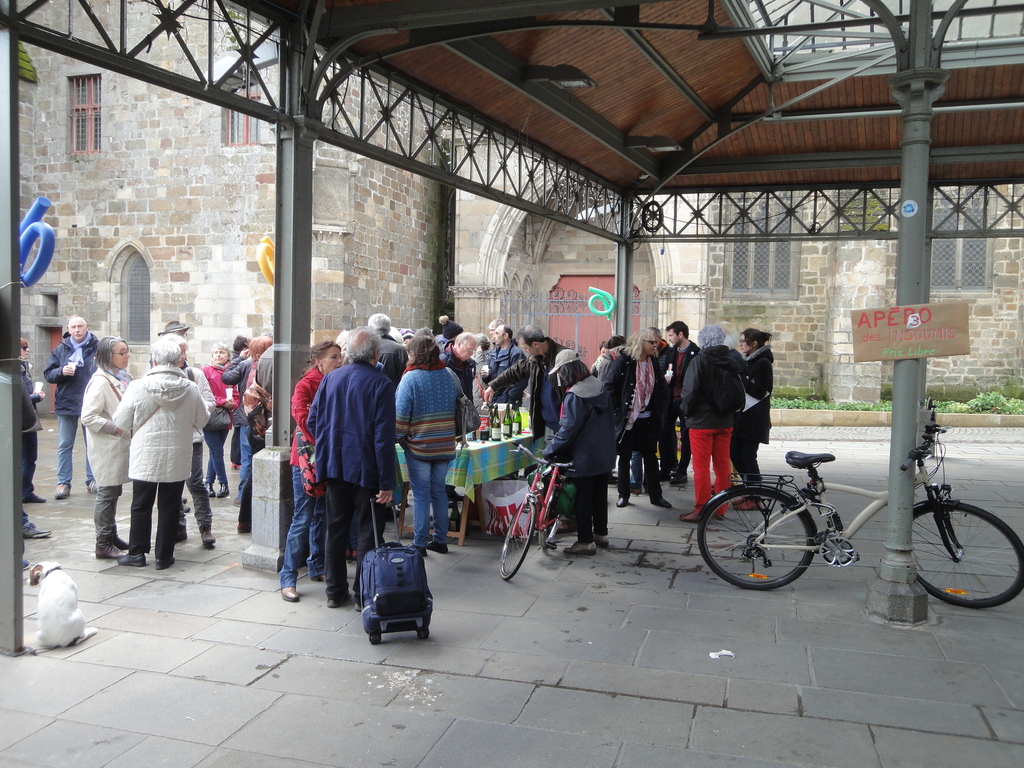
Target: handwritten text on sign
pixel 899 333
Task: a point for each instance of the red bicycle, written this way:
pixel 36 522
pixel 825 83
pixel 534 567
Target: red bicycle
pixel 535 515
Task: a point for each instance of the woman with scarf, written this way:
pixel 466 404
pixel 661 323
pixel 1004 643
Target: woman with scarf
pixel 106 444
pixel 215 438
pixel 307 528
pixel 752 426
pixel 639 396
pixel 425 426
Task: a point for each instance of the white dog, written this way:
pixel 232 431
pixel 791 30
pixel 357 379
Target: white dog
pixel 61 621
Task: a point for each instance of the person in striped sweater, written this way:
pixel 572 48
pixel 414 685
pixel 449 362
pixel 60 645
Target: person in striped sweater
pixel 425 427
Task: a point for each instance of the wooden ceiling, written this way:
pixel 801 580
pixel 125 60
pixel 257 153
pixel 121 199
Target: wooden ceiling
pixel 688 81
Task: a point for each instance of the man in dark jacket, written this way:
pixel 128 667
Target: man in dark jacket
pixel 70 367
pixel 458 357
pixel 673 362
pixel 352 420
pixel 503 355
pixel 393 355
pixel 540 354
pixel 710 429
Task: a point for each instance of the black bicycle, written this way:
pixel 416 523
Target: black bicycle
pixel 764 535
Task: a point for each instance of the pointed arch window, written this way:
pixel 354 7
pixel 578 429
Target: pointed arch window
pixel 136 300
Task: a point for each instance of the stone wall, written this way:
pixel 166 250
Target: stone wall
pixel 165 185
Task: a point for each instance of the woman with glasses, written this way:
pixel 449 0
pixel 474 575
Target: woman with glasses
pixel 639 396
pixel 106 444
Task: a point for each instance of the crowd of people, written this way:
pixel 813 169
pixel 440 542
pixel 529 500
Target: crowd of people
pixel 637 419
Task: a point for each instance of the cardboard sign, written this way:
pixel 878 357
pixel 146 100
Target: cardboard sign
pixel 900 333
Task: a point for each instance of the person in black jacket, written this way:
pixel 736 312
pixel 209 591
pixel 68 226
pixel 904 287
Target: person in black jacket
pixel 70 367
pixel 639 394
pixel 585 436
pixel 752 426
pixel 393 355
pixel 673 361
pixel 710 429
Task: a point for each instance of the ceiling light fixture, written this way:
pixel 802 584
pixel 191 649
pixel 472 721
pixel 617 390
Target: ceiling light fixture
pixel 653 143
pixel 562 75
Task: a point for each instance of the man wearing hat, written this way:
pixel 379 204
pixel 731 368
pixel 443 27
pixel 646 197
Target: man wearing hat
pixel 540 353
pixel 175 326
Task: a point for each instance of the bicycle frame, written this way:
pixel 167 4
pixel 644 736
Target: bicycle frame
pixel 546 484
pixel 880 501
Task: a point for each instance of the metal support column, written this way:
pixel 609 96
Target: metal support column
pixel 272 499
pixel 895 596
pixel 11 542
pixel 624 272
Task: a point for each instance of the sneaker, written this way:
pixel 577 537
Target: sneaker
pixel 436 546
pixel 30 531
pixel 601 541
pixel 91 487
pixel 63 491
pixel 579 548
pixel 33 499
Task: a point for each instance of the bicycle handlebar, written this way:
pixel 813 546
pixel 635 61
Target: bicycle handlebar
pixel 539 460
pixel 931 428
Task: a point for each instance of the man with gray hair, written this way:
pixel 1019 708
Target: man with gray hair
pixel 352 420
pixel 393 355
pixel 540 353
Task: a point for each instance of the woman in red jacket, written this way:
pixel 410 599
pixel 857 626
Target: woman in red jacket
pixel 308 518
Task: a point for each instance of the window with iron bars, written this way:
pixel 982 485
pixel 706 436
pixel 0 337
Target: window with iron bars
pixel 240 129
pixel 136 299
pixel 761 268
pixel 960 264
pixel 86 114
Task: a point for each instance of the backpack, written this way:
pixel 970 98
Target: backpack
pixel 722 386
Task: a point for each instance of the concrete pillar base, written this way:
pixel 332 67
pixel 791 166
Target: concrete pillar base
pixel 272 508
pixel 890 602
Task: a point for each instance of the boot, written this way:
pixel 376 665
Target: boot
pixel 117 541
pixel 223 492
pixel 209 490
pixel 207 534
pixel 105 548
pixel 182 532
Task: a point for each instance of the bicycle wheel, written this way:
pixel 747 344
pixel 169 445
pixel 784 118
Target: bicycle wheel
pixel 989 568
pixel 518 538
pixel 738 546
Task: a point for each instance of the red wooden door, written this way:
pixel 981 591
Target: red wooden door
pixel 571 322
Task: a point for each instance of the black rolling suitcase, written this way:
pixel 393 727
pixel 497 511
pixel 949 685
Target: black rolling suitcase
pixel 394 592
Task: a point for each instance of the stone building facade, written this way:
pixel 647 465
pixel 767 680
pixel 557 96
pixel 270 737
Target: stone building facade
pixel 808 315
pixel 167 209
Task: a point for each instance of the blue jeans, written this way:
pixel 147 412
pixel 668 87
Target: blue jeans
pixel 246 470
pixel 308 525
pixel 426 478
pixel 67 427
pixel 215 469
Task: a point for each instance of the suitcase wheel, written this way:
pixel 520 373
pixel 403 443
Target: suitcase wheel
pixel 423 633
pixel 375 638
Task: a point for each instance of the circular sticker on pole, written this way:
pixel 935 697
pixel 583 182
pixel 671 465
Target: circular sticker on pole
pixel 909 209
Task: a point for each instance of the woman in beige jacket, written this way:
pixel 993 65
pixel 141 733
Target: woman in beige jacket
pixel 106 444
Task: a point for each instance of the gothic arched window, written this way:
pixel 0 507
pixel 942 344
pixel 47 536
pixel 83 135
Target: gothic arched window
pixel 135 300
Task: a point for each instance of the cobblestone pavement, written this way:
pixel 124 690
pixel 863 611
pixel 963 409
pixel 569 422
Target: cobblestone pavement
pixel 601 662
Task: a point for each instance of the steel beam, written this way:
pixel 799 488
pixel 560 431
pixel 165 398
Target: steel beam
pixel 496 60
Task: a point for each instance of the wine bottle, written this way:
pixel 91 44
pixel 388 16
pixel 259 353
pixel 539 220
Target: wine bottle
pixel 495 424
pixel 506 423
pixel 517 422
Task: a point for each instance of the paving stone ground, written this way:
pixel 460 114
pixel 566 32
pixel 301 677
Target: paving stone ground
pixel 595 662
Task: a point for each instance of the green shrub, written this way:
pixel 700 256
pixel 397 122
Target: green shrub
pixel 990 402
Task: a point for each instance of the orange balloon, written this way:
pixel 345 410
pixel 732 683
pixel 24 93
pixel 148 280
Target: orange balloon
pixel 265 258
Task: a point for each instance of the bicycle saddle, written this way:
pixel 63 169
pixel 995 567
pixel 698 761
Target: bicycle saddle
pixel 799 460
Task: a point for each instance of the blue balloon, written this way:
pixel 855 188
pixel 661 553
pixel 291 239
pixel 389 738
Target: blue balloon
pixel 33 228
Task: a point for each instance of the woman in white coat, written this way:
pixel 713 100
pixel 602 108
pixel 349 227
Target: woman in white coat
pixel 106 443
pixel 160 411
